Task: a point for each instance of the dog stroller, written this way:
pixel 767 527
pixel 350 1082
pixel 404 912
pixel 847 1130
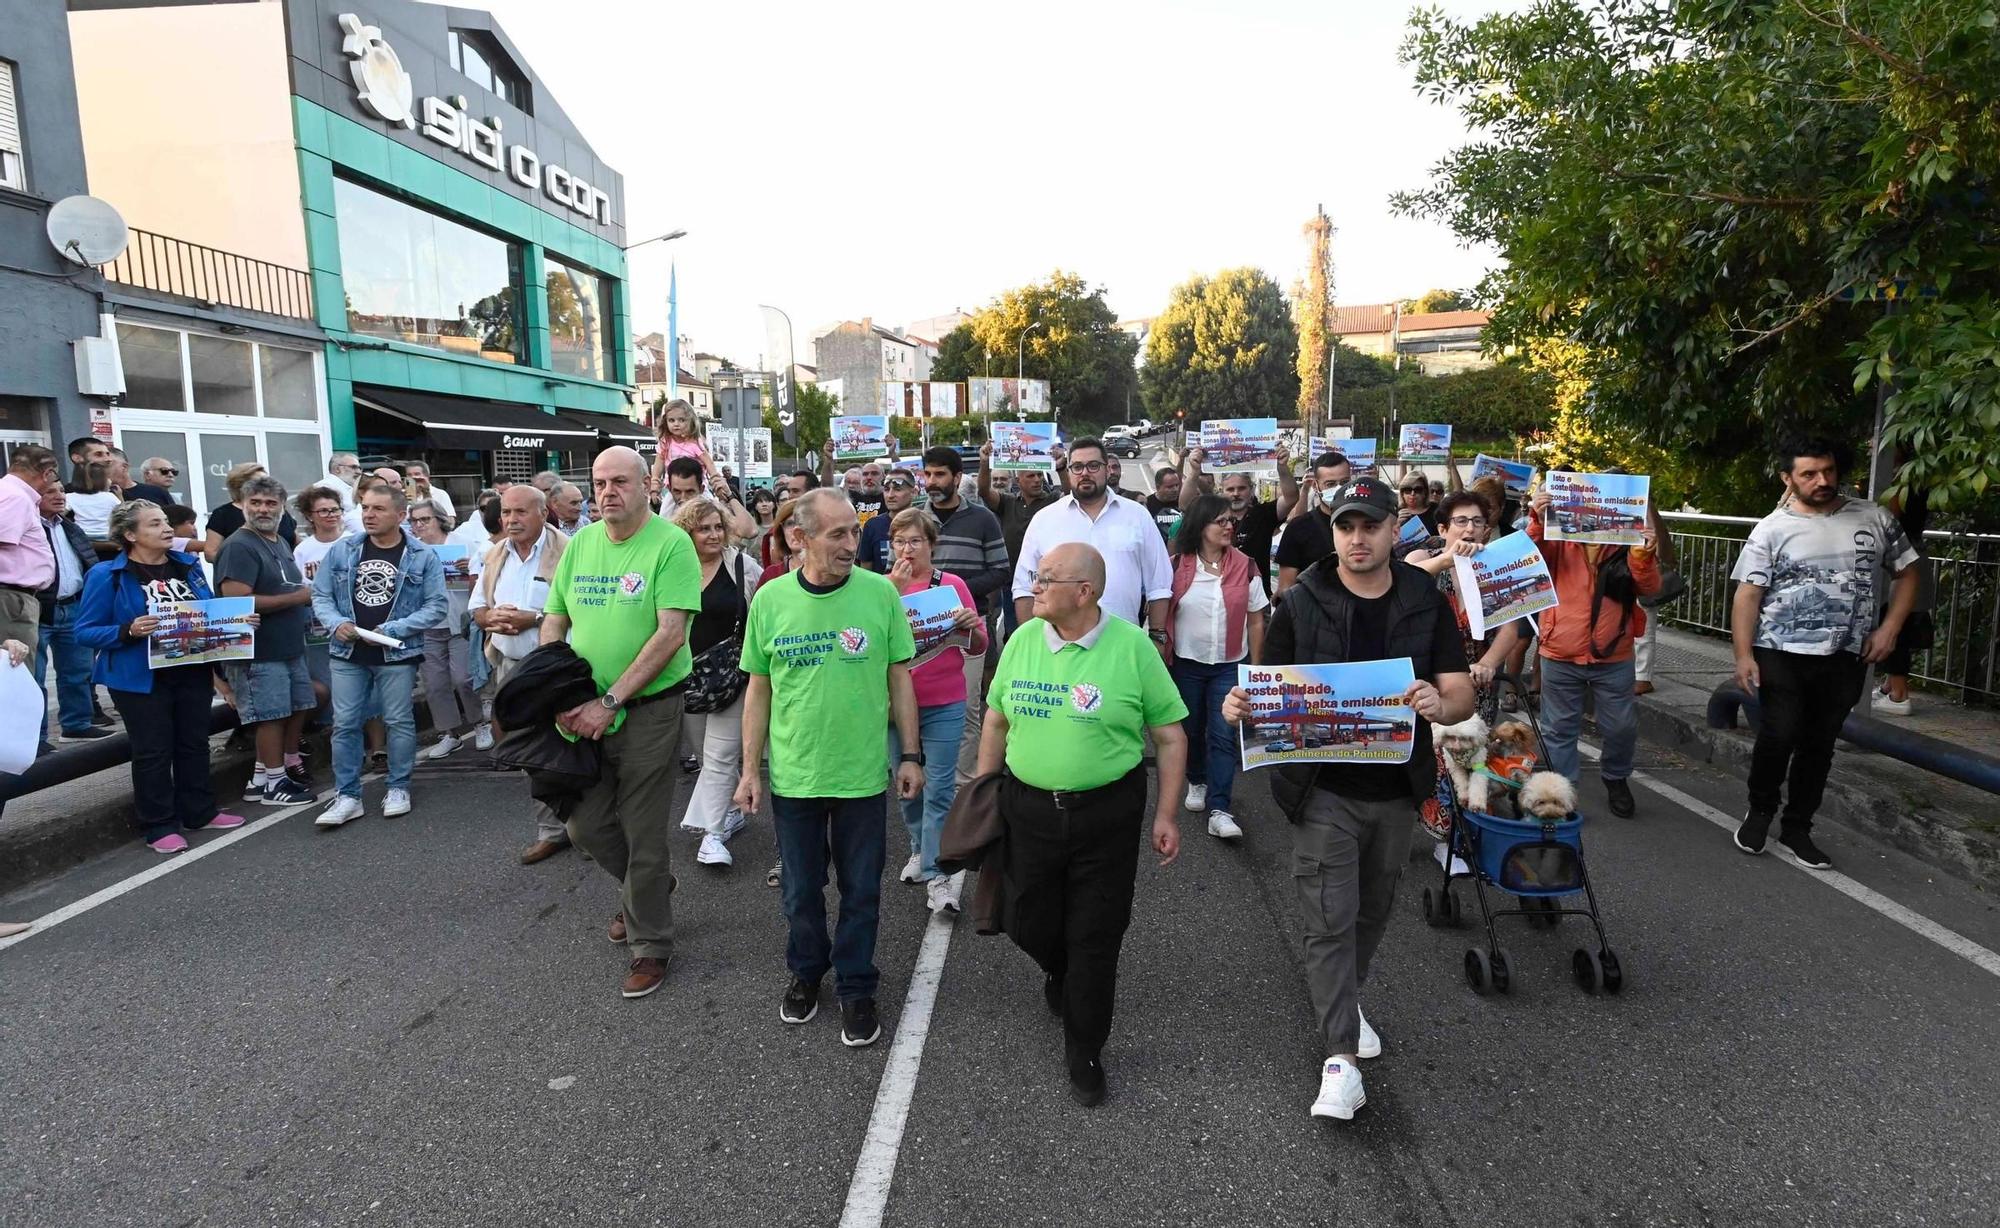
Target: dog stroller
pixel 1537 862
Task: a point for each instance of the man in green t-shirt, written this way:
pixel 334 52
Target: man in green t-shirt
pixel 827 648
pixel 1073 696
pixel 621 596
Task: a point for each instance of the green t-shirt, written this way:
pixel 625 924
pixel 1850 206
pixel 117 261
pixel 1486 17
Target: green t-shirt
pixel 612 593
pixel 1077 718
pixel 828 657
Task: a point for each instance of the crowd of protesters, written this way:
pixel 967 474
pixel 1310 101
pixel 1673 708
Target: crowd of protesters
pixel 662 620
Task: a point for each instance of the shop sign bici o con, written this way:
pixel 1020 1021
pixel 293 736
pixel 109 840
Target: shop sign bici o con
pixel 384 90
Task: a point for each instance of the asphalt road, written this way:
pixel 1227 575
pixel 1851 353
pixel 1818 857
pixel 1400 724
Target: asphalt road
pixel 396 1023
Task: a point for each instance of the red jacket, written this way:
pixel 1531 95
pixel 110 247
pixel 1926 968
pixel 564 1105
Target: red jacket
pixel 1566 633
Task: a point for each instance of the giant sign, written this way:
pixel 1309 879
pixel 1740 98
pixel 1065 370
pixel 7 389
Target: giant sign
pixel 383 88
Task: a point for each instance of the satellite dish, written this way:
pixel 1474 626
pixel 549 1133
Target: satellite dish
pixel 87 231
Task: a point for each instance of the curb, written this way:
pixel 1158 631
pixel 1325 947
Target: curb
pixel 1903 806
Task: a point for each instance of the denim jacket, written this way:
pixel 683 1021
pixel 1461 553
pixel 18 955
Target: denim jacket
pixel 420 598
pixel 111 600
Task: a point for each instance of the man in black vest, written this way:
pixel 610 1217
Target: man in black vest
pixel 1352 821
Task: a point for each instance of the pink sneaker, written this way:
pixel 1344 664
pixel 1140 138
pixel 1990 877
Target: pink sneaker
pixel 223 822
pixel 174 843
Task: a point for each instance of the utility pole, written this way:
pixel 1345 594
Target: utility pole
pixel 1315 319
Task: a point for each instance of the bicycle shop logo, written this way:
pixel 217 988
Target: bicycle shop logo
pixel 522 441
pixel 382 86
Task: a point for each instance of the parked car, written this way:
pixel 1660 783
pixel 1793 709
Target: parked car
pixel 1121 445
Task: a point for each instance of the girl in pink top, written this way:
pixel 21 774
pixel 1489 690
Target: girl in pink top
pixel 937 674
pixel 678 438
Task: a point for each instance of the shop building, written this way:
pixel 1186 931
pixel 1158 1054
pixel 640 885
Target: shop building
pixel 411 211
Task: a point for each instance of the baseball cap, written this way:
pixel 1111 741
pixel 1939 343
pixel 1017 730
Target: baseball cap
pixel 1369 496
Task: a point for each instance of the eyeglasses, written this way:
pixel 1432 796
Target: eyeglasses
pixel 909 543
pixel 169 472
pixel 333 510
pixel 1042 579
pixel 1086 466
pixel 1227 522
pixel 898 484
pixel 1467 522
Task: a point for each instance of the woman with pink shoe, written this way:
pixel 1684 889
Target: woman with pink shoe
pixel 165 710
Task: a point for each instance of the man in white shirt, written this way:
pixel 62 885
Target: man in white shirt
pixel 566 507
pixel 507 605
pixel 419 486
pixel 1137 575
pixel 341 470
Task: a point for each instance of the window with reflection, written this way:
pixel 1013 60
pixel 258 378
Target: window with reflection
pixel 155 377
pixel 415 277
pixel 579 321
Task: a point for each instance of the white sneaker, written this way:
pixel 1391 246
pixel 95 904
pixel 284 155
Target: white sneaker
pixel 913 869
pixel 1882 705
pixel 937 894
pixel 1197 797
pixel 1340 1090
pixel 1370 1044
pixel 482 737
pixel 344 810
pixel 1458 866
pixel 395 803
pixel 956 892
pixel 443 747
pixel 713 852
pixel 733 822
pixel 1222 825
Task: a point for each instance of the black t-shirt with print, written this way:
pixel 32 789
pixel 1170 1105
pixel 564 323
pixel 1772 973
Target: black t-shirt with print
pixel 1254 534
pixel 1368 640
pixel 162 582
pixel 375 581
pixel 1164 514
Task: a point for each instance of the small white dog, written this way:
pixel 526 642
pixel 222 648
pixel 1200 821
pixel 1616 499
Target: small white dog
pixel 1464 748
pixel 1549 795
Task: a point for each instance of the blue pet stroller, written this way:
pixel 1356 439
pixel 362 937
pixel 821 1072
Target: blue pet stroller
pixel 1537 862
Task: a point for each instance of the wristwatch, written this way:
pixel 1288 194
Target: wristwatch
pixel 1158 637
pixel 909 757
pixel 611 702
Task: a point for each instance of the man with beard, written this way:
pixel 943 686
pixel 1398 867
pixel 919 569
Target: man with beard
pixel 274 689
pixel 1309 534
pixel 1803 625
pixel 899 490
pixel 1164 504
pixel 1256 521
pixel 1138 579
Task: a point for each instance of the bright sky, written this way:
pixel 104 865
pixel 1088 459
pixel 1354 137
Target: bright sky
pixel 898 161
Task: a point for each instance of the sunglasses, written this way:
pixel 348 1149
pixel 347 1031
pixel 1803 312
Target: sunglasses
pixel 172 473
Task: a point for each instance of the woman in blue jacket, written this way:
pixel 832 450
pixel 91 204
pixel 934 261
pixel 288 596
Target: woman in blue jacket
pixel 165 710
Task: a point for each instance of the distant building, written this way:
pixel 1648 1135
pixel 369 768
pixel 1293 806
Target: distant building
pixel 1439 342
pixel 1139 330
pixel 649 373
pixel 936 327
pixel 861 354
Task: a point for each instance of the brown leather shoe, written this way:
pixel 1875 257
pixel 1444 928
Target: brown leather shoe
pixel 617 931
pixel 1642 688
pixel 646 975
pixel 542 850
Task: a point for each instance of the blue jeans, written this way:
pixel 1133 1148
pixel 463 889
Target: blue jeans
pixel 362 691
pixel 939 728
pixel 1610 683
pixel 1211 755
pixel 73 661
pixel 849 833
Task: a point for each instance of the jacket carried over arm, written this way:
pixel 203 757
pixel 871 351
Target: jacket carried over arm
pixel 1585 620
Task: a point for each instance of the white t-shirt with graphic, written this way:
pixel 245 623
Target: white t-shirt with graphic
pixel 1819 575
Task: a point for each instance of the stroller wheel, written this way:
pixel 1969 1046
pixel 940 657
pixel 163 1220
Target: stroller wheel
pixel 1588 968
pixel 1614 976
pixel 1503 972
pixel 1478 970
pixel 1450 908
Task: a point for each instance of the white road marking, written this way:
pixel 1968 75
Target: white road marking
pixel 175 861
pixel 1950 939
pixel 875 1168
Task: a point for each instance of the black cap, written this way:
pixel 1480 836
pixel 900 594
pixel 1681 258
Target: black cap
pixel 1365 495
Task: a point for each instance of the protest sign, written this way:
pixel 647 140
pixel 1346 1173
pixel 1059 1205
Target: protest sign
pixel 1605 509
pixel 859 436
pixel 1506 580
pixel 1412 532
pixel 1348 713
pixel 199 632
pixel 1024 445
pixel 755 461
pixel 1360 454
pixel 1423 441
pixel 1518 475
pixel 1239 445
pixel 456 559
pixel 931 612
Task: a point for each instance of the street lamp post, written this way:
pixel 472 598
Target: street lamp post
pixel 668 237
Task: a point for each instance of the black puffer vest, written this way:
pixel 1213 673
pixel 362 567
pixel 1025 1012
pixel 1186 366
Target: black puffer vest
pixel 1322 616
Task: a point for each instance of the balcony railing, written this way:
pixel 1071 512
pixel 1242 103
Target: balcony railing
pixel 207 275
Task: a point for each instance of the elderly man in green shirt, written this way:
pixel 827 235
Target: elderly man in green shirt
pixel 828 647
pixel 622 595
pixel 1075 693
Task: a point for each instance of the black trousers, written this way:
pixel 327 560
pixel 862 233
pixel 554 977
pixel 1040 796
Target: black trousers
pixel 1804 699
pixel 168 727
pixel 1070 868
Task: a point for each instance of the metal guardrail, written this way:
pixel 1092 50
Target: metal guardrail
pixel 206 274
pixel 1966 655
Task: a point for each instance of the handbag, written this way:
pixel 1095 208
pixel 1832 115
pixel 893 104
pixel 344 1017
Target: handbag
pixel 717 677
pixel 1673 585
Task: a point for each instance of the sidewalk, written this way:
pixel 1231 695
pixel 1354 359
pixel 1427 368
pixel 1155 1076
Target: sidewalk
pixel 1953 826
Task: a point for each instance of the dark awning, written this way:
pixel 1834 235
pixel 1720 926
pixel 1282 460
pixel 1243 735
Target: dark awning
pixel 616 428
pixel 476 425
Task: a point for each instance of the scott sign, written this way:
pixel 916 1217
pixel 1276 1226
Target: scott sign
pixel 383 88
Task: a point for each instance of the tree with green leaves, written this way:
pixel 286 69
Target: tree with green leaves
pixel 1225 347
pixel 1436 300
pixel 815 406
pixel 1072 342
pixel 1709 200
